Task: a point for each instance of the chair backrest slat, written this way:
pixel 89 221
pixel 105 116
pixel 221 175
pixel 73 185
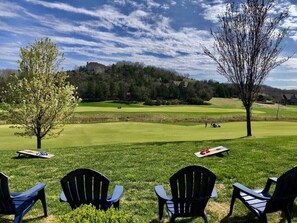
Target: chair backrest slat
pixel 80 187
pixel 191 188
pixel 285 191
pixel 6 206
pixel 85 186
pixel 89 187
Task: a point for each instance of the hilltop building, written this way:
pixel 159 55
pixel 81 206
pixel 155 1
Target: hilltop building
pixel 95 67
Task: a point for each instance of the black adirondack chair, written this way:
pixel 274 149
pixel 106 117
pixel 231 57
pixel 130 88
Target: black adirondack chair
pixel 18 204
pixel 261 202
pixel 87 186
pixel 191 188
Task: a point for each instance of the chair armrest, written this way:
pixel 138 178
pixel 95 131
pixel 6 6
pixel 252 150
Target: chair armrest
pixel 31 192
pixel 117 194
pixel 269 181
pixel 214 193
pixel 63 197
pixel 273 179
pixel 160 192
pixel 248 191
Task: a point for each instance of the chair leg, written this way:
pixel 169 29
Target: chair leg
pixel 291 205
pixel 116 205
pixel 263 218
pixel 234 196
pixel 18 218
pixel 41 195
pixel 204 216
pixel 287 214
pixel 161 208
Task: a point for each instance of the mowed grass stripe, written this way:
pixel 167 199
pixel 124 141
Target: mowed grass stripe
pixel 136 132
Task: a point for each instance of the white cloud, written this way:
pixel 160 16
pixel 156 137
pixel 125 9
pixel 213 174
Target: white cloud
pixel 152 4
pixel 64 7
pixel 282 79
pixel 10 10
pixel 108 35
pixel 286 87
pixel 120 2
pixel 153 33
pixel 290 66
pixel 165 6
pixel 292 10
pixel 106 12
pixel 10 54
pixel 213 10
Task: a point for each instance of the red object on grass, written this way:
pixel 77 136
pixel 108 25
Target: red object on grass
pixel 204 151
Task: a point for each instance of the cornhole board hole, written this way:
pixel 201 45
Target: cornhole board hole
pixel 34 153
pixel 212 151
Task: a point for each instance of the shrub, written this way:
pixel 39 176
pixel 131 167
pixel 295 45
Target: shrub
pixel 158 102
pixel 88 214
pixel 149 102
pixel 195 101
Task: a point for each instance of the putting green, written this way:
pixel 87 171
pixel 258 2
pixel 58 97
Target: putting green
pixel 136 132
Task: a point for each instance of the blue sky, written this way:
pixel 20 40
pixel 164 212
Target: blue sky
pixel 167 33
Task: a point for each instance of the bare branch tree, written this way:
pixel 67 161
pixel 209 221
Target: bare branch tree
pixel 247 47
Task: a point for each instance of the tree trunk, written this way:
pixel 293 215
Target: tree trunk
pixel 38 135
pixel 38 142
pixel 248 121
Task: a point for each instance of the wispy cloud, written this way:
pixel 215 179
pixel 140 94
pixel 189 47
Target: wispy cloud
pixel 119 2
pixel 10 10
pixel 152 4
pixel 140 34
pixel 10 53
pixel 212 10
pixel 140 31
pixel 64 7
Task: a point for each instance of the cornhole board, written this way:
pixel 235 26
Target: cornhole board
pixel 34 154
pixel 213 151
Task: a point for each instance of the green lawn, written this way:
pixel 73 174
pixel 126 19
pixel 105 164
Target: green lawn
pixel 139 167
pixel 140 155
pixel 136 132
pixel 219 109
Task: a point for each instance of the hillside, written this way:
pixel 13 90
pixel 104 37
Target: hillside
pixel 135 82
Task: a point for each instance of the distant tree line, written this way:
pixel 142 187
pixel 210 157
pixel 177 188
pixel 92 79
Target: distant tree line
pixel 134 82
